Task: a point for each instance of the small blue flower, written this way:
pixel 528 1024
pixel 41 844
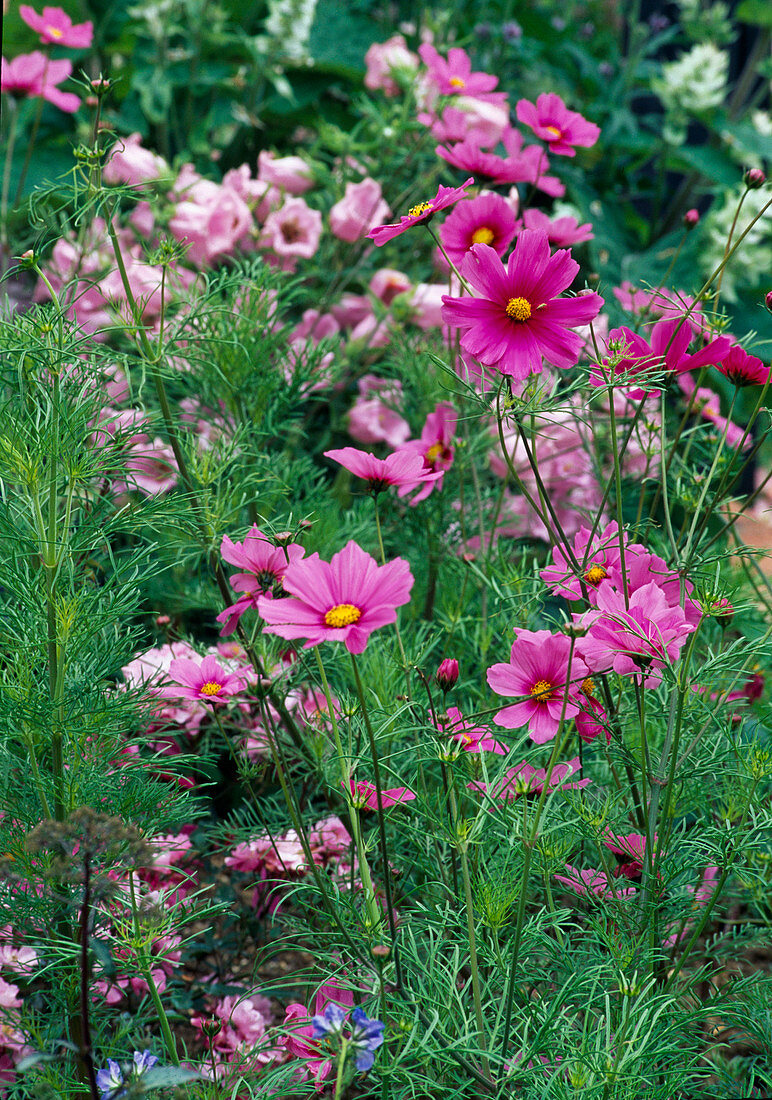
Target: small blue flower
pixel 108 1080
pixel 330 1022
pixel 111 1079
pixel 143 1061
pixel 366 1037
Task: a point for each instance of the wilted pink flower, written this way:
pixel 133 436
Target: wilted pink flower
pixel 358 211
pixel 403 468
pixel 420 213
pixel 387 60
pixel 271 855
pixel 542 672
pixel 634 639
pixel 330 837
pixel 293 231
pixel 523 165
pixel 478 121
pixel 34 74
pixel 364 795
pixel 207 682
pixel 435 450
pixel 291 174
pixel 562 232
pixel 342 600
pixel 519 319
pixel 56 28
pixel 550 120
pixel 129 162
pixel 454 76
pixel 487 219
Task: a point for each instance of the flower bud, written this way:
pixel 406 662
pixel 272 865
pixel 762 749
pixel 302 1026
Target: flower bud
pixel 162 620
pixel 447 674
pixel 691 218
pixel 211 1027
pixel 722 611
pixel 754 178
pixel 768 300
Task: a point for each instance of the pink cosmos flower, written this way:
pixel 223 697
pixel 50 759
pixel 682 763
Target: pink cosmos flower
pixel 472 120
pixel 263 565
pixel 550 120
pixel 454 76
pixel 525 780
pixel 470 738
pixel 56 28
pixel 208 682
pixel 435 450
pixel 562 232
pixel 420 213
pixel 269 855
pixel 361 207
pixel 519 319
pixel 212 221
pixel 630 848
pixel 590 883
pixel 592 720
pixel 34 74
pixel 743 369
pixel 299 1040
pixel 404 468
pixel 364 795
pixel 446 675
pixel 539 673
pixel 342 600
pixel 386 61
pixel 291 174
pixel 525 166
pixel 665 355
pixel 634 640
pixel 487 219
pixel 597 557
pixel 130 163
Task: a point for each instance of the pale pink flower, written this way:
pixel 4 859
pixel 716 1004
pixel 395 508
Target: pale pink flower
pixel 57 29
pixel 34 74
pixel 374 417
pixel 386 284
pixel 129 162
pixel 562 232
pixel 476 121
pixel 358 211
pixel 292 232
pixel 211 221
pixel 590 883
pixel 364 795
pixel 208 681
pixel 291 174
pixel 470 738
pixel 386 62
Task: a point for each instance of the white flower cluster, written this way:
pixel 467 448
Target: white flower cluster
pixel 752 261
pixel 289 24
pixel 695 82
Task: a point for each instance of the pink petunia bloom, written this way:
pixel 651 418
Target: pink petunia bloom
pixel 34 74
pixel 548 685
pixel 525 780
pixel 292 232
pixel 342 600
pixel 420 213
pixel 743 369
pixel 263 565
pixel 208 682
pixel 590 883
pixel 387 63
pixel 56 28
pixel 487 219
pixel 519 318
pixel 470 738
pixel 659 359
pixel 562 232
pixel 361 207
pixel 454 76
pixel 550 120
pixel 435 450
pixel 129 162
pixel 637 639
pixel 404 468
pixel 364 795
pixel 290 174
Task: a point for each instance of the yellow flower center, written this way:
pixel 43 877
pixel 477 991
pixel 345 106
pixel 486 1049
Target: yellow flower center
pixel 417 211
pixel 542 690
pixel 434 452
pixel 483 235
pixel 588 687
pixel 456 82
pixel 518 309
pixel 595 574
pixel 556 133
pixel 54 32
pixel 211 688
pixel 343 614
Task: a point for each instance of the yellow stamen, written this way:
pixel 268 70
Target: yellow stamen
pixel 456 82
pixel 595 574
pixel 434 452
pixel 416 211
pixel 343 614
pixel 55 32
pixel 588 687
pixel 542 690
pixel 210 688
pixel 483 235
pixel 518 309
pixel 554 131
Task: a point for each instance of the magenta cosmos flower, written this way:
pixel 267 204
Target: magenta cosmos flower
pixel 208 682
pixel 519 318
pixel 34 74
pixel 263 565
pixel 342 600
pixel 540 674
pixel 422 212
pixel 364 795
pixel 551 120
pixel 743 369
pixel 526 165
pixel 56 28
pixel 404 468
pixel 524 780
pixel 470 738
pixel 454 76
pixel 434 449
pixel 488 219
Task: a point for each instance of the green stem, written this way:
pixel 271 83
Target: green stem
pixel 14 113
pixel 144 966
